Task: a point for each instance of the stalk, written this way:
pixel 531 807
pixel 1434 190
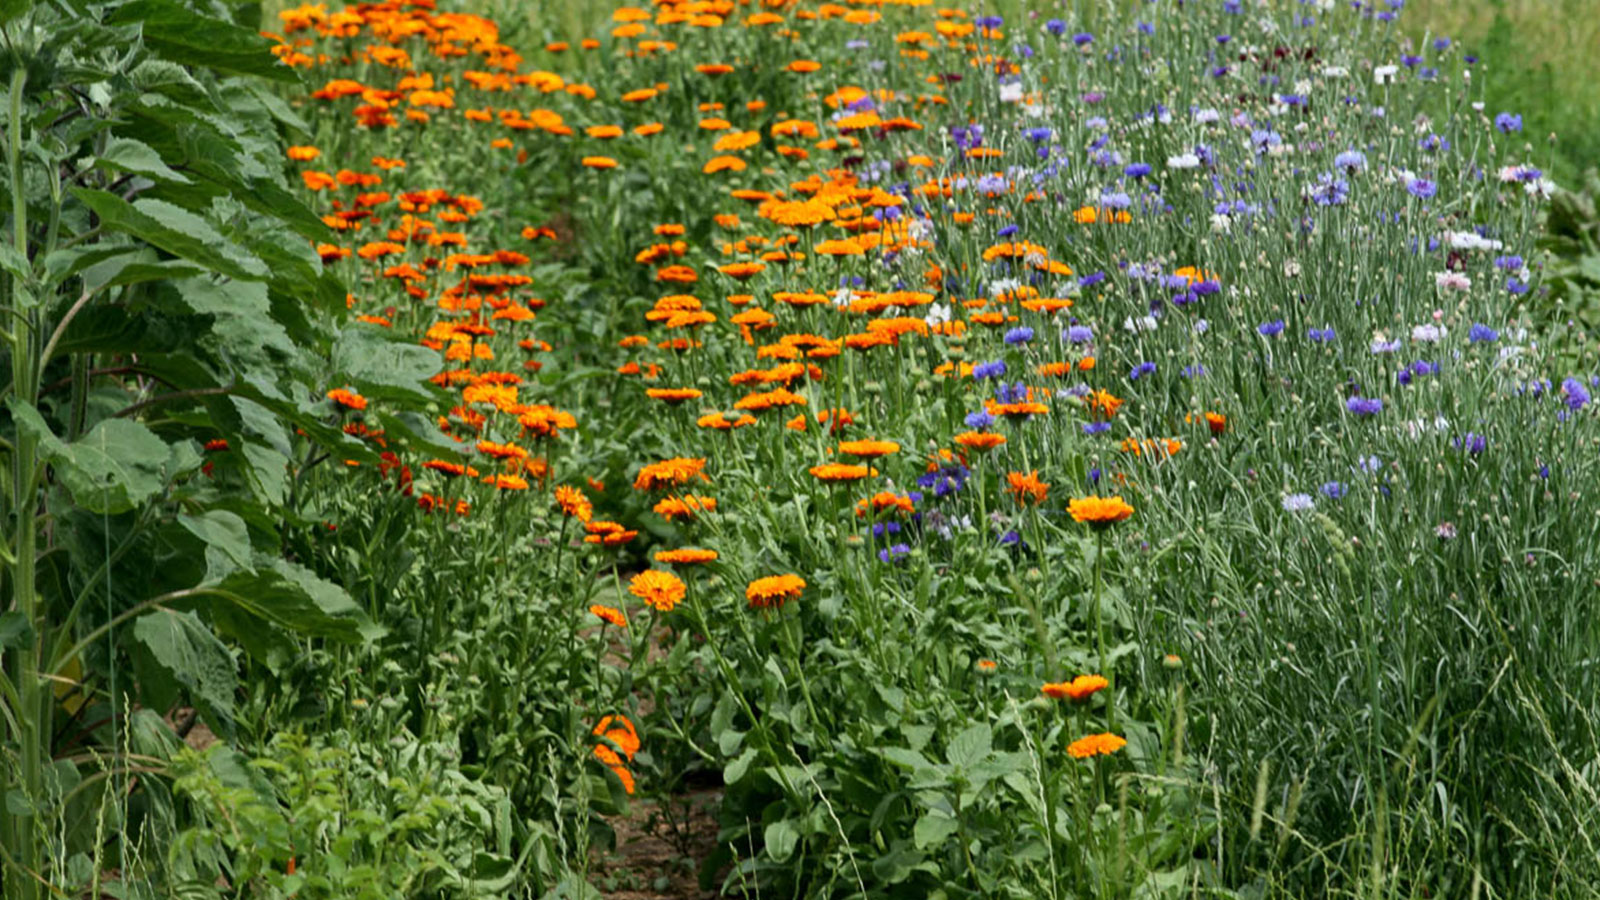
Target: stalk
pixel 21 849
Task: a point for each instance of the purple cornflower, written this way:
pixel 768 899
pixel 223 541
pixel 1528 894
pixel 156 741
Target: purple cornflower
pixel 1093 428
pixel 1333 490
pixel 1576 395
pixel 1137 170
pixel 1320 335
pixel 979 420
pixel 1078 334
pixel 1481 333
pixel 1508 122
pixel 1270 329
pixel 1350 161
pixel 1421 187
pixel 1472 442
pixel 1019 335
pixel 1141 370
pixel 994 369
pixel 1364 406
pixel 894 553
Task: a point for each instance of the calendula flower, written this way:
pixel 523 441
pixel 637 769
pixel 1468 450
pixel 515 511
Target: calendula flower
pixel 1103 744
pixel 1077 690
pixel 609 615
pixel 841 472
pixel 672 396
pixel 347 399
pixel 686 556
pixel 1027 488
pixel 685 507
pixel 869 449
pixel 599 162
pixel 979 440
pixel 1100 512
pixel 670 473
pixel 774 590
pixel 658 589
pixel 573 503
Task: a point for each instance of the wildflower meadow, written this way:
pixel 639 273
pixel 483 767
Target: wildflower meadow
pixel 864 449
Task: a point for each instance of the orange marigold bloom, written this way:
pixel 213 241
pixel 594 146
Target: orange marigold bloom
pixel 722 422
pixel 1099 511
pixel 685 507
pixel 842 472
pixel 450 469
pixel 774 590
pixel 742 271
pixel 303 154
pixel 609 534
pixel 979 440
pixel 599 162
pixel 687 556
pixel 869 449
pixel 609 615
pixel 668 473
pixel 1027 488
pixel 1103 744
pixel 1217 422
pixel 507 482
pixel 501 451
pixel 659 590
pixel 573 503
pixel 347 399
pixel 672 396
pixel 1077 690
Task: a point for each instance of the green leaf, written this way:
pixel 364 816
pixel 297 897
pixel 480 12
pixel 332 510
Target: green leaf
pixel 16 632
pixel 223 531
pixel 178 33
pixel 781 838
pixel 175 230
pixel 115 467
pixel 14 262
pixel 128 155
pixel 734 771
pixel 11 9
pixel 933 829
pixel 970 746
pixel 383 366
pixel 186 650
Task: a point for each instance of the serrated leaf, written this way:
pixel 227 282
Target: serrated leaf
pixel 115 467
pixel 179 33
pixel 173 229
pixel 933 829
pixel 128 155
pixel 222 530
pixel 970 746
pixel 383 366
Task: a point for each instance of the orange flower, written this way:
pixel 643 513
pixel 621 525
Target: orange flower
pixel 672 396
pixel 722 422
pixel 979 440
pixel 687 556
pixel 1027 488
pixel 1077 690
pixel 869 449
pixel 1103 744
pixel 573 503
pixel 1217 422
pixel 1099 512
pixel 506 482
pixel 608 534
pixel 669 473
pixel 841 472
pixel 450 469
pixel 774 590
pixel 618 731
pixel 347 399
pixel 987 666
pixel 686 507
pixel 658 589
pixel 609 615
pixel 599 162
pixel 303 154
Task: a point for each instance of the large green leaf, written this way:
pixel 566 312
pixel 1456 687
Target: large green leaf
pixel 118 465
pixel 183 649
pixel 383 366
pixel 127 155
pixel 176 32
pixel 175 230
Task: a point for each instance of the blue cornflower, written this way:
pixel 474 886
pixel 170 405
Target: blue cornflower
pixel 1010 393
pixel 1078 334
pixel 1333 490
pixel 1009 230
pixel 1508 122
pixel 1421 187
pixel 1364 406
pixel 989 369
pixel 1082 38
pixel 1481 333
pixel 1509 263
pixel 1269 329
pixel 1096 427
pixel 1472 442
pixel 1056 27
pixel 1350 161
pixel 1298 503
pixel 1013 539
pixel 1194 371
pixel 1320 335
pixel 894 553
pixel 1019 335
pixel 1330 191
pixel 979 420
pixel 1092 278
pixel 1038 135
pixel 1137 170
pixel 1141 370
pixel 1516 285
pixel 1577 396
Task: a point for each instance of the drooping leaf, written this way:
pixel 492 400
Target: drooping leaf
pixel 128 155
pixel 222 530
pixel 115 467
pixel 182 647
